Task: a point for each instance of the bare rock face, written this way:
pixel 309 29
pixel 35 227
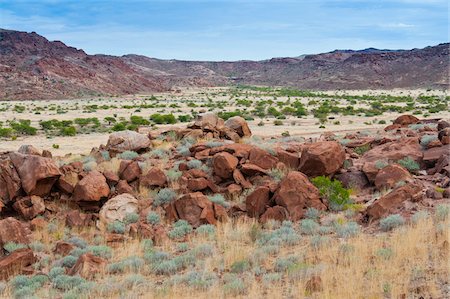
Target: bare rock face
pixel 29 206
pixel 75 218
pixel 88 265
pixel 258 201
pixel 207 121
pixel 129 170
pixel 36 173
pixel 224 164
pixel 262 158
pixel 406 120
pixel 92 187
pixel 291 160
pixel 444 136
pixel 196 209
pixel 117 208
pixel 16 263
pixel 390 176
pixel 394 199
pixel 322 158
pixel 122 141
pixel 155 177
pixel 12 230
pixel 239 125
pixel 10 185
pixel 296 193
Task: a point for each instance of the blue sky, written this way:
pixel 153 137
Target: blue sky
pixel 230 30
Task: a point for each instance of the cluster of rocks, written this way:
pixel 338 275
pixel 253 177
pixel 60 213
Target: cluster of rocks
pixel 32 184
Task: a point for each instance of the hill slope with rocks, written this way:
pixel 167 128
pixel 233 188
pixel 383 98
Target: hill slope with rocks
pixel 31 67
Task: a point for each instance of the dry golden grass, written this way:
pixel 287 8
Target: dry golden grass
pixel 410 262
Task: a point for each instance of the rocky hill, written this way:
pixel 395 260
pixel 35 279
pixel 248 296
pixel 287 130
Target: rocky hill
pixel 31 67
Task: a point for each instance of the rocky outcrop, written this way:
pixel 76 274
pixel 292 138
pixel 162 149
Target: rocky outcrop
pixel 224 164
pixel 405 120
pixel 390 176
pixel 117 208
pixel 16 263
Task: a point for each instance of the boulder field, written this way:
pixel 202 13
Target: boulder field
pixel 212 171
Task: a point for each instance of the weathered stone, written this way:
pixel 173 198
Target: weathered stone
pixel 29 206
pixel 405 120
pixel 241 180
pixel 117 208
pixel 36 173
pixel 354 179
pixel 123 187
pixel 122 141
pixel 296 193
pixel 155 177
pixel 16 262
pixel 262 158
pixel 257 202
pixel 291 160
pixel 322 158
pixel 12 230
pixel 129 170
pixel 92 187
pixel 88 265
pixel 277 213
pixel 389 202
pixel 27 149
pixel 10 185
pixel 391 175
pixel 239 125
pixel 63 248
pixel 224 164
pixel 74 218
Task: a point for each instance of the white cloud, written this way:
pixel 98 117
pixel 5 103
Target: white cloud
pixel 397 25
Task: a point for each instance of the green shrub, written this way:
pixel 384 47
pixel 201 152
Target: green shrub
pixel 240 266
pixel 139 120
pixel 128 155
pixel 409 164
pixel 219 199
pixel 164 196
pixel 309 226
pixel 163 118
pixel 391 222
pixel 312 213
pixel 68 131
pixel 442 212
pixel 337 196
pixel 119 127
pixel 23 127
pixel 346 230
pixel 117 227
pixel 67 282
pixel 277 122
pixel 180 229
pixel 194 164
pixel 153 218
pixel 131 218
pixel 12 246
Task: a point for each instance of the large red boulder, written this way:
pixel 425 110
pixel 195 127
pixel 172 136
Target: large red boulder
pixel 321 158
pixel 196 209
pixel 239 125
pixel 37 174
pixel 224 164
pixel 258 201
pixel 277 213
pixel 405 120
pixel 122 141
pixel 388 203
pixel 390 176
pixel 129 170
pixel 29 206
pixel 155 177
pixel 92 187
pixel 12 230
pixel 88 265
pixel 296 193
pixel 262 158
pixel 16 263
pixel 10 185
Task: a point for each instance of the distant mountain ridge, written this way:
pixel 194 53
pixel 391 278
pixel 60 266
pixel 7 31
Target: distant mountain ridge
pixel 31 67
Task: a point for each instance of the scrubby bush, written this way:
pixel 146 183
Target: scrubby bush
pixel 100 250
pixel 12 246
pixel 240 266
pixel 234 287
pixel 153 218
pixel 164 196
pixel 180 229
pixel 206 230
pixel 337 196
pixel 128 155
pixel 68 261
pixel 346 230
pixel 23 126
pixel 219 199
pixel 312 213
pixel 391 222
pixel 131 263
pixel 194 164
pixel 309 226
pixel 163 118
pixel 409 164
pixel 67 282
pixel 117 227
pixel 131 218
pixel 68 131
pixel 442 212
pixel 426 139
